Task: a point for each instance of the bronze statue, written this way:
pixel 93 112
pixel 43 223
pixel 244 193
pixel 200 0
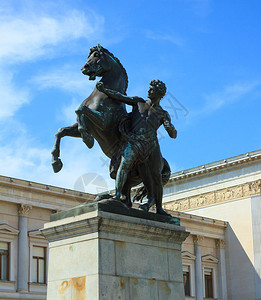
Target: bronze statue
pixel 105 119
pixel 141 147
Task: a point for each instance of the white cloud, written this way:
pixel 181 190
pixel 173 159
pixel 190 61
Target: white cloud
pixel 12 97
pixel 66 78
pixel 228 95
pixel 30 32
pixel 28 36
pixel 70 80
pixel 22 158
pixel 165 37
pixel 68 114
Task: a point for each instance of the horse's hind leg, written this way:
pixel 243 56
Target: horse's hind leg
pixel 66 131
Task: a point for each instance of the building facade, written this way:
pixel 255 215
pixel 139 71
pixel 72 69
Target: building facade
pixel 228 190
pixel 219 204
pixel 24 208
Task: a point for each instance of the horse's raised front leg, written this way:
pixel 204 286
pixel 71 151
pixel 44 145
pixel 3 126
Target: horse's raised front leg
pixel 82 128
pixel 88 119
pixel 66 131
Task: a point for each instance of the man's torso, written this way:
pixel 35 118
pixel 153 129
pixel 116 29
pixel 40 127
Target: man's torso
pixel 146 119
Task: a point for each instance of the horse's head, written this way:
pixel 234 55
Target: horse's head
pixel 99 61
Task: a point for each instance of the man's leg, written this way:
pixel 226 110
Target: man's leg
pixel 127 162
pixel 155 165
pixel 158 190
pixel 147 180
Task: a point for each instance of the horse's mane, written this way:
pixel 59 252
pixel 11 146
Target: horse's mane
pixel 115 58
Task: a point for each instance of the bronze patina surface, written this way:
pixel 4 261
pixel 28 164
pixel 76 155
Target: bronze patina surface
pixel 129 140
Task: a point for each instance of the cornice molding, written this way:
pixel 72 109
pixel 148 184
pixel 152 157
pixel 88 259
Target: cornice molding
pixel 148 230
pixel 203 170
pixel 216 166
pixel 36 234
pixel 220 196
pixel 45 189
pixel 187 255
pixel 8 230
pixel 208 258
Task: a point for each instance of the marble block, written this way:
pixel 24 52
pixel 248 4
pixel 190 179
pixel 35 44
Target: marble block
pixel 106 251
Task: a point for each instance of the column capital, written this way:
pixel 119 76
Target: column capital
pixel 23 209
pixel 197 239
pixel 220 243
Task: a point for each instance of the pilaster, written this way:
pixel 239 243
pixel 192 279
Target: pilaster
pixel 23 249
pixel 222 280
pixel 197 239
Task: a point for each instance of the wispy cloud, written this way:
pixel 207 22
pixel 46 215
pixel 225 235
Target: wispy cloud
pixel 66 78
pixel 23 158
pixel 164 37
pixel 228 95
pixel 68 115
pixel 12 97
pixel 29 33
pixel 28 36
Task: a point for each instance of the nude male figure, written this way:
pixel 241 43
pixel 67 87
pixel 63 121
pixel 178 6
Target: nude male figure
pixel 142 145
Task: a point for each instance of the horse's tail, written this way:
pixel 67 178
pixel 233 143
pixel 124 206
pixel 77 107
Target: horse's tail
pixel 141 192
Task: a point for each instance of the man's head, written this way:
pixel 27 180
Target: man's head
pixel 157 90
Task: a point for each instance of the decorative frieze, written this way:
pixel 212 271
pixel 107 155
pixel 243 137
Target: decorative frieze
pixel 219 196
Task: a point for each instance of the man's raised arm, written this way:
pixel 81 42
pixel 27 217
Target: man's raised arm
pixel 169 126
pixel 117 95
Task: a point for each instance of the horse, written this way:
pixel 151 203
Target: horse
pixel 98 118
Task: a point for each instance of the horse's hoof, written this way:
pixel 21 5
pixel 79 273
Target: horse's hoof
pixel 57 165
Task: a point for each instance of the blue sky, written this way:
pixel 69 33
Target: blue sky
pixel 207 52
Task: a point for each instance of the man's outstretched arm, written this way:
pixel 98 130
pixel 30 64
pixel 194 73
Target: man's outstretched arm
pixel 117 95
pixel 171 130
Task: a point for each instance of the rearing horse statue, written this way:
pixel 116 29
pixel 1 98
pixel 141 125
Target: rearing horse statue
pixel 99 117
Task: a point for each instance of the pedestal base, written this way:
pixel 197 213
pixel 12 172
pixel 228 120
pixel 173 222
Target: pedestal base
pixel 106 251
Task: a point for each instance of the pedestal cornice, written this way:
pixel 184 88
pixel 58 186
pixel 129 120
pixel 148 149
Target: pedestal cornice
pixel 99 221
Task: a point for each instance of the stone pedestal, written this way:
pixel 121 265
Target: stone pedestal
pixel 106 251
